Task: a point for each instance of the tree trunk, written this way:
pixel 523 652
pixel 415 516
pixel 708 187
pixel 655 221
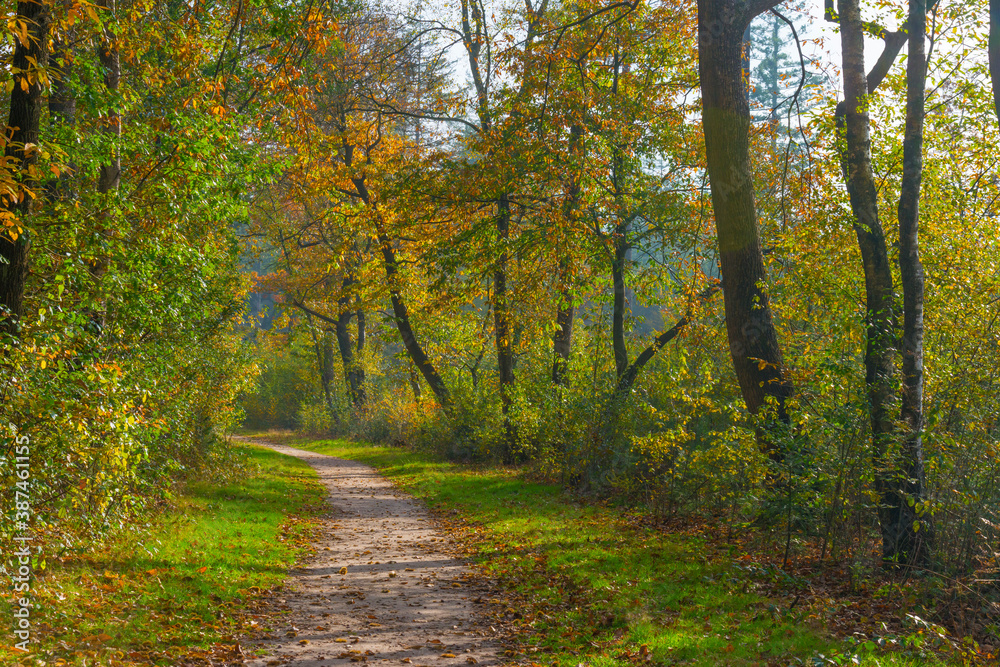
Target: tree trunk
pixel 25 113
pixel 359 368
pixel 994 50
pixel 414 380
pixel 619 239
pixel 110 175
pixel 620 247
pixel 353 374
pixel 326 374
pixel 362 333
pixel 896 517
pixel 911 531
pixel 880 307
pixel 562 339
pixel 753 342
pixel 347 354
pixel 317 348
pixel 774 83
pixel 501 324
pixel 62 108
pixel 402 319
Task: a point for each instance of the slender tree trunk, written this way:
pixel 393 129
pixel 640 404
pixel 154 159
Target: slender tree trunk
pixel 774 49
pixel 619 238
pixel 994 51
pixel 362 333
pixel 359 368
pixel 900 543
pixel 317 349
pixel 399 310
pixel 501 324
pixel 402 319
pixel 324 352
pixel 414 380
pixel 327 373
pixel 347 354
pixel 620 248
pixel 353 375
pixel 911 534
pixel 110 175
pixel 62 107
pixel 753 341
pixel 324 362
pixel 25 113
pixel 562 339
pixel 880 305
pixel 62 101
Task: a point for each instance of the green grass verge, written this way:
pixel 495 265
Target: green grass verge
pixel 585 584
pixel 177 593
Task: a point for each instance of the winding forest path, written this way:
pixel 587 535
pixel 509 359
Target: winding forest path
pixel 383 587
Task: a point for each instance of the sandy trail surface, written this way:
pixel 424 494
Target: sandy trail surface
pixel 384 586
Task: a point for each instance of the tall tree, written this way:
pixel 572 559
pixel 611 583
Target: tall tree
pixel 109 176
pixel 479 46
pixel 753 341
pixel 344 143
pixel 899 481
pixel 622 226
pixel 777 73
pixel 62 98
pixel 910 537
pixel 880 304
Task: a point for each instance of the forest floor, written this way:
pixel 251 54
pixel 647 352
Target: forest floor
pixel 574 582
pixel 308 556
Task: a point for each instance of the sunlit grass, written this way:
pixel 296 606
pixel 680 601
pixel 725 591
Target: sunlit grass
pixel 588 586
pixel 187 585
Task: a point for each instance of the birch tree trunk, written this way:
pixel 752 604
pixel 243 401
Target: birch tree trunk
pixel 910 534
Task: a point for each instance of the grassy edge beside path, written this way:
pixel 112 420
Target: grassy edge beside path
pixel 182 594
pixel 582 584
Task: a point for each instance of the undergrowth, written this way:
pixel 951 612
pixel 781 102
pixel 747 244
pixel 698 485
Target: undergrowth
pixel 585 582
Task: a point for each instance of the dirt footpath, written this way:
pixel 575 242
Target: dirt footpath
pixel 383 586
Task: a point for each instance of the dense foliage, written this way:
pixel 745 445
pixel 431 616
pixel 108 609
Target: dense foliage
pixel 501 219
pixel 666 249
pixel 123 348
